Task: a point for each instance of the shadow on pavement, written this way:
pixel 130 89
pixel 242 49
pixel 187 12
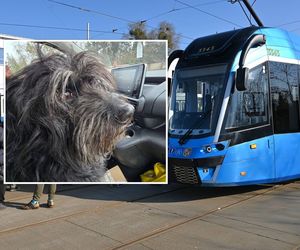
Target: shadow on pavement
pixel 17 205
pixel 148 193
pixel 152 193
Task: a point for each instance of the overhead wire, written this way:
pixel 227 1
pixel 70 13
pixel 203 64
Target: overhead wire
pixel 114 31
pixel 288 23
pixel 252 6
pixel 56 28
pixel 61 20
pixel 151 18
pixel 210 14
pixel 245 12
pixel 89 10
pixel 108 15
pixel 179 9
pixel 294 29
pixel 182 8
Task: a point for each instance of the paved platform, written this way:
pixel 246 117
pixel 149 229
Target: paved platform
pixel 155 217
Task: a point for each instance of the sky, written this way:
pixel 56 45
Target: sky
pixel 191 18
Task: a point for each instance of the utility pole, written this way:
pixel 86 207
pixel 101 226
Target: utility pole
pixel 88 31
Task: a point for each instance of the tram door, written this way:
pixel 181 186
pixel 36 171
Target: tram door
pixel 285 104
pixel 256 102
pixel 250 115
pixel 257 108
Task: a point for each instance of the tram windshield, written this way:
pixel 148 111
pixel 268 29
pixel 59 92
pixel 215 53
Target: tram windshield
pixel 196 99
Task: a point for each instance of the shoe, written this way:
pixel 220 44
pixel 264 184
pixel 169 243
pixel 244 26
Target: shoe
pixel 2 206
pixel 31 205
pixel 50 203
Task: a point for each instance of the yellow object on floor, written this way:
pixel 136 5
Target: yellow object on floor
pixel 157 174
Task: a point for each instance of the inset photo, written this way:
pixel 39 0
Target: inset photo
pixel 85 111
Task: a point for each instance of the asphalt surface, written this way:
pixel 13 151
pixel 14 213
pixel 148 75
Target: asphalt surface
pixel 155 217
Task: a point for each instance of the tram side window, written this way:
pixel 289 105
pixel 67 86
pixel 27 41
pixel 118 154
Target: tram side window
pixel 285 97
pixel 250 107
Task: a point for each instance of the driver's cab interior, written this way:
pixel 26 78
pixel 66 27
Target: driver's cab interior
pixel 145 140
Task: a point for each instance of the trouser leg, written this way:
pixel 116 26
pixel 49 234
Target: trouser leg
pixel 51 192
pixel 38 191
pixel 2 192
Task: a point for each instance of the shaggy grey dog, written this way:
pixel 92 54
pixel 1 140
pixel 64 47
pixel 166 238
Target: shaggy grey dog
pixel 64 117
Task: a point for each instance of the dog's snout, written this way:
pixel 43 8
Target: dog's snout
pixel 126 112
pixel 123 110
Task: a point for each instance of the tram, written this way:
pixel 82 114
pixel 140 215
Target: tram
pixel 234 109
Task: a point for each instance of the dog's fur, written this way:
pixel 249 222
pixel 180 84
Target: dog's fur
pixel 64 117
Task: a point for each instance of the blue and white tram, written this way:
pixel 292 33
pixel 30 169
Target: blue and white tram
pixel 234 109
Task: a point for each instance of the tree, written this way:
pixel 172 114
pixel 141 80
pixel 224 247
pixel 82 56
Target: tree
pixel 165 31
pixel 120 53
pixel 137 31
pixel 23 54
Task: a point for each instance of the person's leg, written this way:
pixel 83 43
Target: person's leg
pixel 51 194
pixel 38 191
pixel 12 187
pixel 2 193
pixel 52 191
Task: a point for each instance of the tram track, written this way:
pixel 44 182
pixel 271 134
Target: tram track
pixel 162 230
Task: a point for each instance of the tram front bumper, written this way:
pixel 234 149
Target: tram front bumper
pixel 194 171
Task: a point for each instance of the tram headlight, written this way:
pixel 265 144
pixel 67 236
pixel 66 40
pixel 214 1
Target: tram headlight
pixel 208 149
pixel 212 148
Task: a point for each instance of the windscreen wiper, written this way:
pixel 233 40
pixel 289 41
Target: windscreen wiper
pixel 184 138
